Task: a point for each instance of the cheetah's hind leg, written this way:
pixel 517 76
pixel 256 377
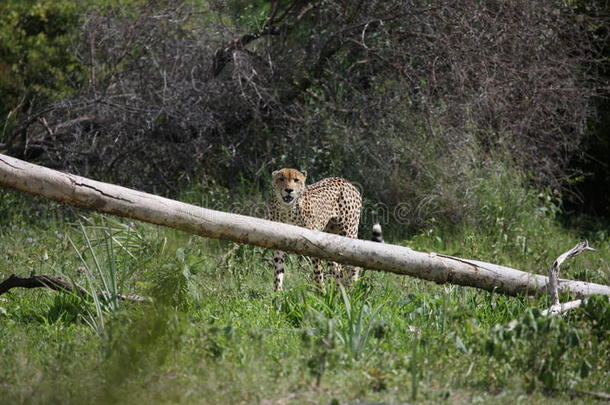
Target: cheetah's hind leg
pixel 338 274
pixel 278 263
pixel 354 273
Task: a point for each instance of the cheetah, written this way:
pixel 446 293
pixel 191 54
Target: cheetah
pixel 331 205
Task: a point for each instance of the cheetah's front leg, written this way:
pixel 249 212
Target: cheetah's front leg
pixel 318 273
pixel 340 279
pixel 354 274
pixel 278 262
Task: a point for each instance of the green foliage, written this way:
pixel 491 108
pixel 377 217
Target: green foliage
pixel 550 351
pixel 65 308
pixel 136 343
pixel 100 265
pixel 597 312
pixel 250 15
pixel 171 283
pixel 37 58
pixel 215 331
pixel 344 321
pixel 512 224
pixel 23 211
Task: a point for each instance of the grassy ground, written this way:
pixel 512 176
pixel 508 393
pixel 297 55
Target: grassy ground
pixel 216 333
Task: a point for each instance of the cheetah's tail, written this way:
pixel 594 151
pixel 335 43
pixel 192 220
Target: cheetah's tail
pixel 377 234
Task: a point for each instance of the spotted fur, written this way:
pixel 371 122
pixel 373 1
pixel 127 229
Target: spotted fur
pixel 331 205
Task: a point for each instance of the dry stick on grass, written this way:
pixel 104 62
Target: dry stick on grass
pixel 110 199
pixel 57 284
pixel 559 308
pixel 556 307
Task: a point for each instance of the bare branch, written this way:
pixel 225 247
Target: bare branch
pixel 559 308
pixel 58 284
pixel 554 270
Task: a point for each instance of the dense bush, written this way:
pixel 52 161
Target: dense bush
pixel 409 99
pixel 37 60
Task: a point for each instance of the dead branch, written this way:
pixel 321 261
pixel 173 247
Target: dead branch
pixel 597 395
pixel 559 308
pixel 554 271
pixel 273 26
pixel 58 284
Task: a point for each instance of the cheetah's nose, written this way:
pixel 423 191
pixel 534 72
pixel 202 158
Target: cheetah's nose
pixel 288 190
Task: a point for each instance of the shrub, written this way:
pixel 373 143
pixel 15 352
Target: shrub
pixel 403 98
pixel 38 62
pixel 554 353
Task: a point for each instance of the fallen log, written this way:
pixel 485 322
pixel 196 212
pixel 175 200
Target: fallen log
pixel 111 199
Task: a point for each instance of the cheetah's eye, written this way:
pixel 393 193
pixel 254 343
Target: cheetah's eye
pixel 281 179
pixel 296 180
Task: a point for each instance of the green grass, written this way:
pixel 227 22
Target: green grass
pixel 215 331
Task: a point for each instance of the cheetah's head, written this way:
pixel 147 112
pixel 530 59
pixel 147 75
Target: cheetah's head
pixel 288 184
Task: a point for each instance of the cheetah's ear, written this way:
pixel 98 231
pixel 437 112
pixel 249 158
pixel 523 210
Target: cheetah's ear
pixel 275 173
pixel 304 173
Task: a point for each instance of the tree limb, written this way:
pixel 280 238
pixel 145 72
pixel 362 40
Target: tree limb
pixel 58 284
pixel 559 308
pixel 554 270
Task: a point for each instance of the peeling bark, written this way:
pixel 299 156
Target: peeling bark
pixel 110 199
